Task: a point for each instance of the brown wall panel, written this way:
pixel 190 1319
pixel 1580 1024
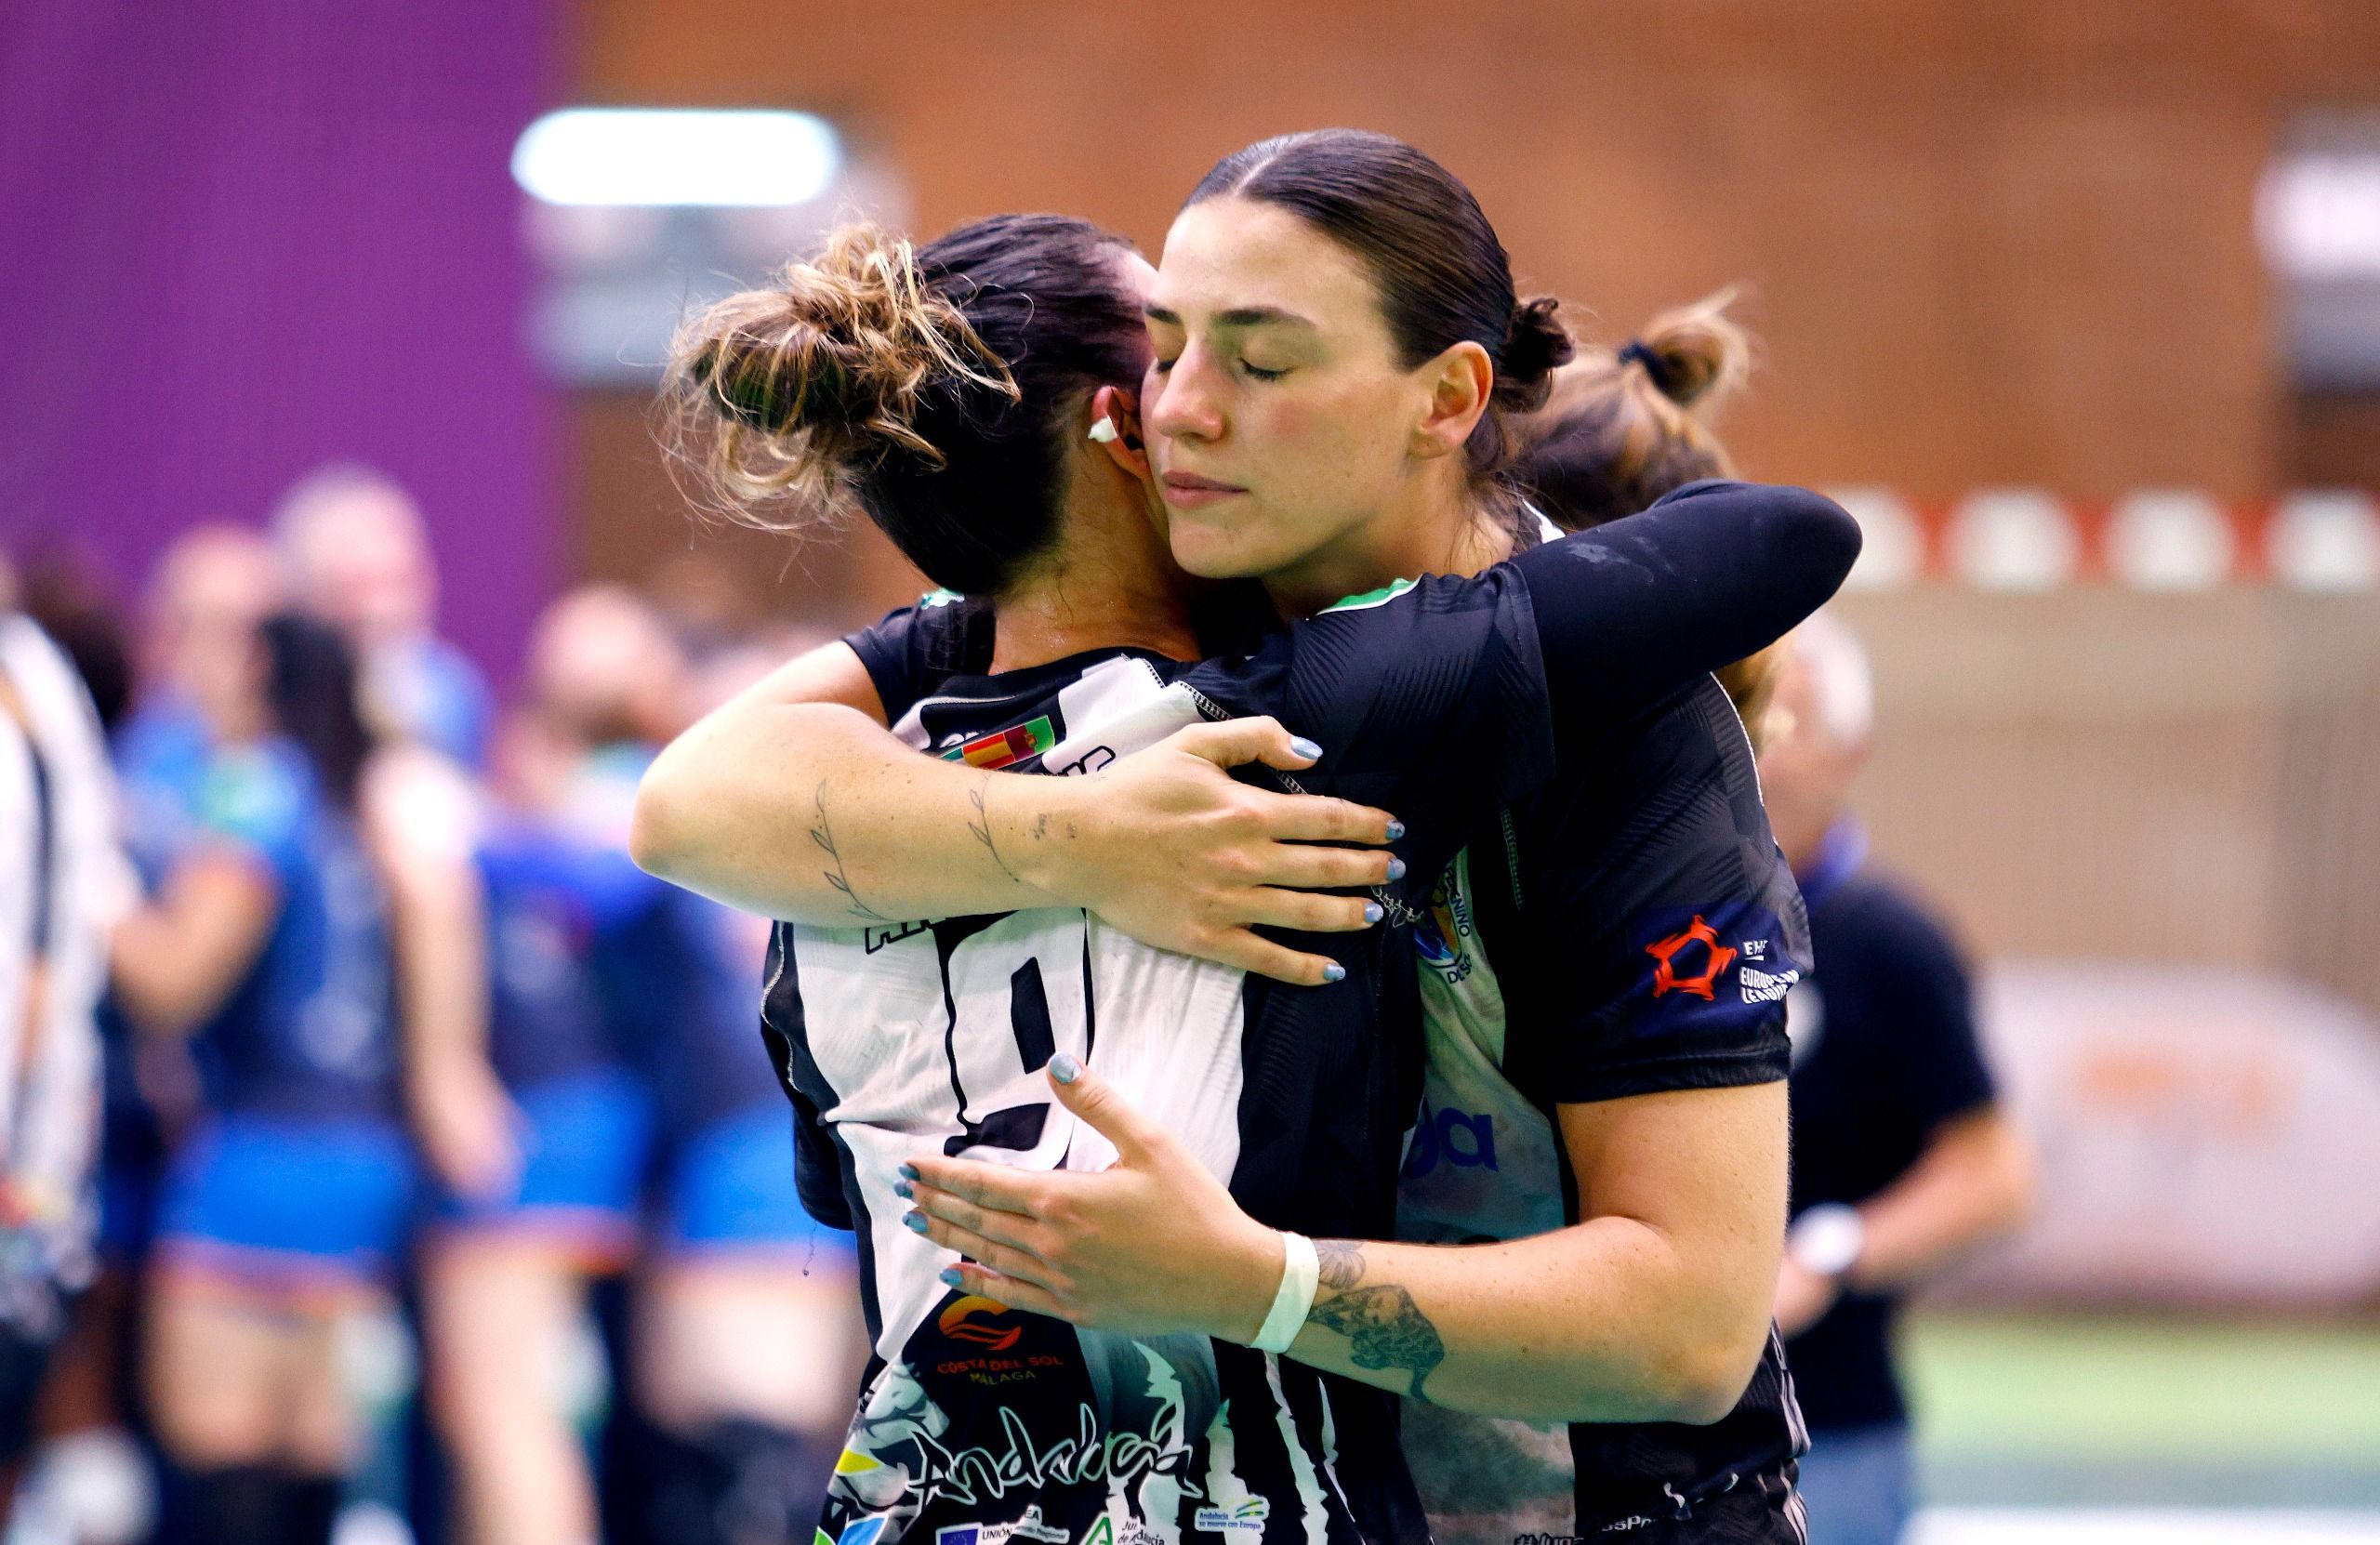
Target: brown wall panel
pixel 1984 244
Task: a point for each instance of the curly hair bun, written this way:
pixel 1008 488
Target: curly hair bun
pixel 1534 344
pixel 800 388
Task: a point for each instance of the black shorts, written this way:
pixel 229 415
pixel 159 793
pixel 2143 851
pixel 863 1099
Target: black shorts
pixel 1764 1509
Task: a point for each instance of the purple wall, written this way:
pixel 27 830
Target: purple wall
pixel 239 238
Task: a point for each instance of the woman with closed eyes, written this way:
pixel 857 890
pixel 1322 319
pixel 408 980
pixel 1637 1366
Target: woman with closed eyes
pixel 1330 408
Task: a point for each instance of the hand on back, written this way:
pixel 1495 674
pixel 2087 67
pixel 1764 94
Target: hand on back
pixel 1168 846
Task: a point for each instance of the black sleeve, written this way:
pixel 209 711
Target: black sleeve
pixel 1935 1052
pixel 1427 698
pixel 1437 699
pixel 1659 924
pixel 914 649
pixel 1710 574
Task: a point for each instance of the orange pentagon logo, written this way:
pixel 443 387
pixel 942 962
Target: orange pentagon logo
pixel 1716 959
pixel 963 1321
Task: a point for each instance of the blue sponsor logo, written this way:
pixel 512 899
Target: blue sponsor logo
pixel 1460 1139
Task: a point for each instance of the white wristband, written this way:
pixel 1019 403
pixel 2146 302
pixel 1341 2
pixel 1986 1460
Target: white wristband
pixel 1301 1274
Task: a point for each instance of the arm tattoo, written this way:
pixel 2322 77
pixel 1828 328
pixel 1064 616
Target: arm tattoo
pixel 1387 1328
pixel 823 835
pixel 982 826
pixel 1343 1263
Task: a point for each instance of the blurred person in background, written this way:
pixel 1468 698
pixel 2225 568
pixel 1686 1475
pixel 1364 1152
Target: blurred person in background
pixel 358 559
pixel 749 1334
pixel 743 1347
pixel 96 1478
pixel 268 943
pixel 210 583
pixel 541 1139
pixel 63 882
pixel 1902 1158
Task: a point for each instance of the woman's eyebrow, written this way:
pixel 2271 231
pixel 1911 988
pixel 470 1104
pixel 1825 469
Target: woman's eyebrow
pixel 1243 316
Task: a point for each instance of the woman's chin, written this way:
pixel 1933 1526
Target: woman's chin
pixel 1212 554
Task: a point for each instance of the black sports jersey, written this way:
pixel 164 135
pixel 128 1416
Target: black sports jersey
pixel 1635 932
pixel 1884 1052
pixel 1631 929
pixel 1430 699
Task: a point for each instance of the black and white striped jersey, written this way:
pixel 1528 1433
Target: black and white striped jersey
pixel 1437 701
pixel 907 1037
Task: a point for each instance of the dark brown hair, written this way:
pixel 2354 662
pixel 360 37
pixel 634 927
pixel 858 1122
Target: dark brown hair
pixel 310 687
pixel 1443 276
pixel 931 388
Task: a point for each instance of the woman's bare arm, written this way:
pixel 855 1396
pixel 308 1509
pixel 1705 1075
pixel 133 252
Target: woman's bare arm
pixel 419 818
pixel 793 801
pixel 175 960
pixel 1655 1308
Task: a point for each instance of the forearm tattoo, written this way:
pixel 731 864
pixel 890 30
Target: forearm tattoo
pixel 824 835
pixel 982 826
pixel 1380 1320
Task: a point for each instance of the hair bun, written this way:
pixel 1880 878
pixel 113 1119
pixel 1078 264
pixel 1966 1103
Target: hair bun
pixel 1535 343
pixel 1694 351
pixel 801 388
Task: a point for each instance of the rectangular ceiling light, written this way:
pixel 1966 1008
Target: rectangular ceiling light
pixel 677 157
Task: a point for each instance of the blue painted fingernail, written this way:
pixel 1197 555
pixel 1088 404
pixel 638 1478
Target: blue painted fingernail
pixel 915 1222
pixel 953 1275
pixel 1334 972
pixel 1371 909
pixel 903 1189
pixel 1395 829
pixel 1305 747
pixel 1395 867
pixel 911 1172
pixel 1064 1069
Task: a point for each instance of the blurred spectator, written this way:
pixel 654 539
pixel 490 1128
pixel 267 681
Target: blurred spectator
pixel 515 1246
pixel 749 1340
pixel 745 1344
pixel 95 1481
pixel 268 941
pixel 360 560
pixel 64 598
pixel 1901 1158
pixel 63 882
pixel 214 584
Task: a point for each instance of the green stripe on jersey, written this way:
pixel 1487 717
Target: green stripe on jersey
pixel 1381 597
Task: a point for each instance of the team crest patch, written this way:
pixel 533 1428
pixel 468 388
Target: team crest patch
pixel 1697 944
pixel 1707 962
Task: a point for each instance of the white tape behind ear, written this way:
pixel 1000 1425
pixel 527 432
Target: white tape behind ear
pixel 1104 431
